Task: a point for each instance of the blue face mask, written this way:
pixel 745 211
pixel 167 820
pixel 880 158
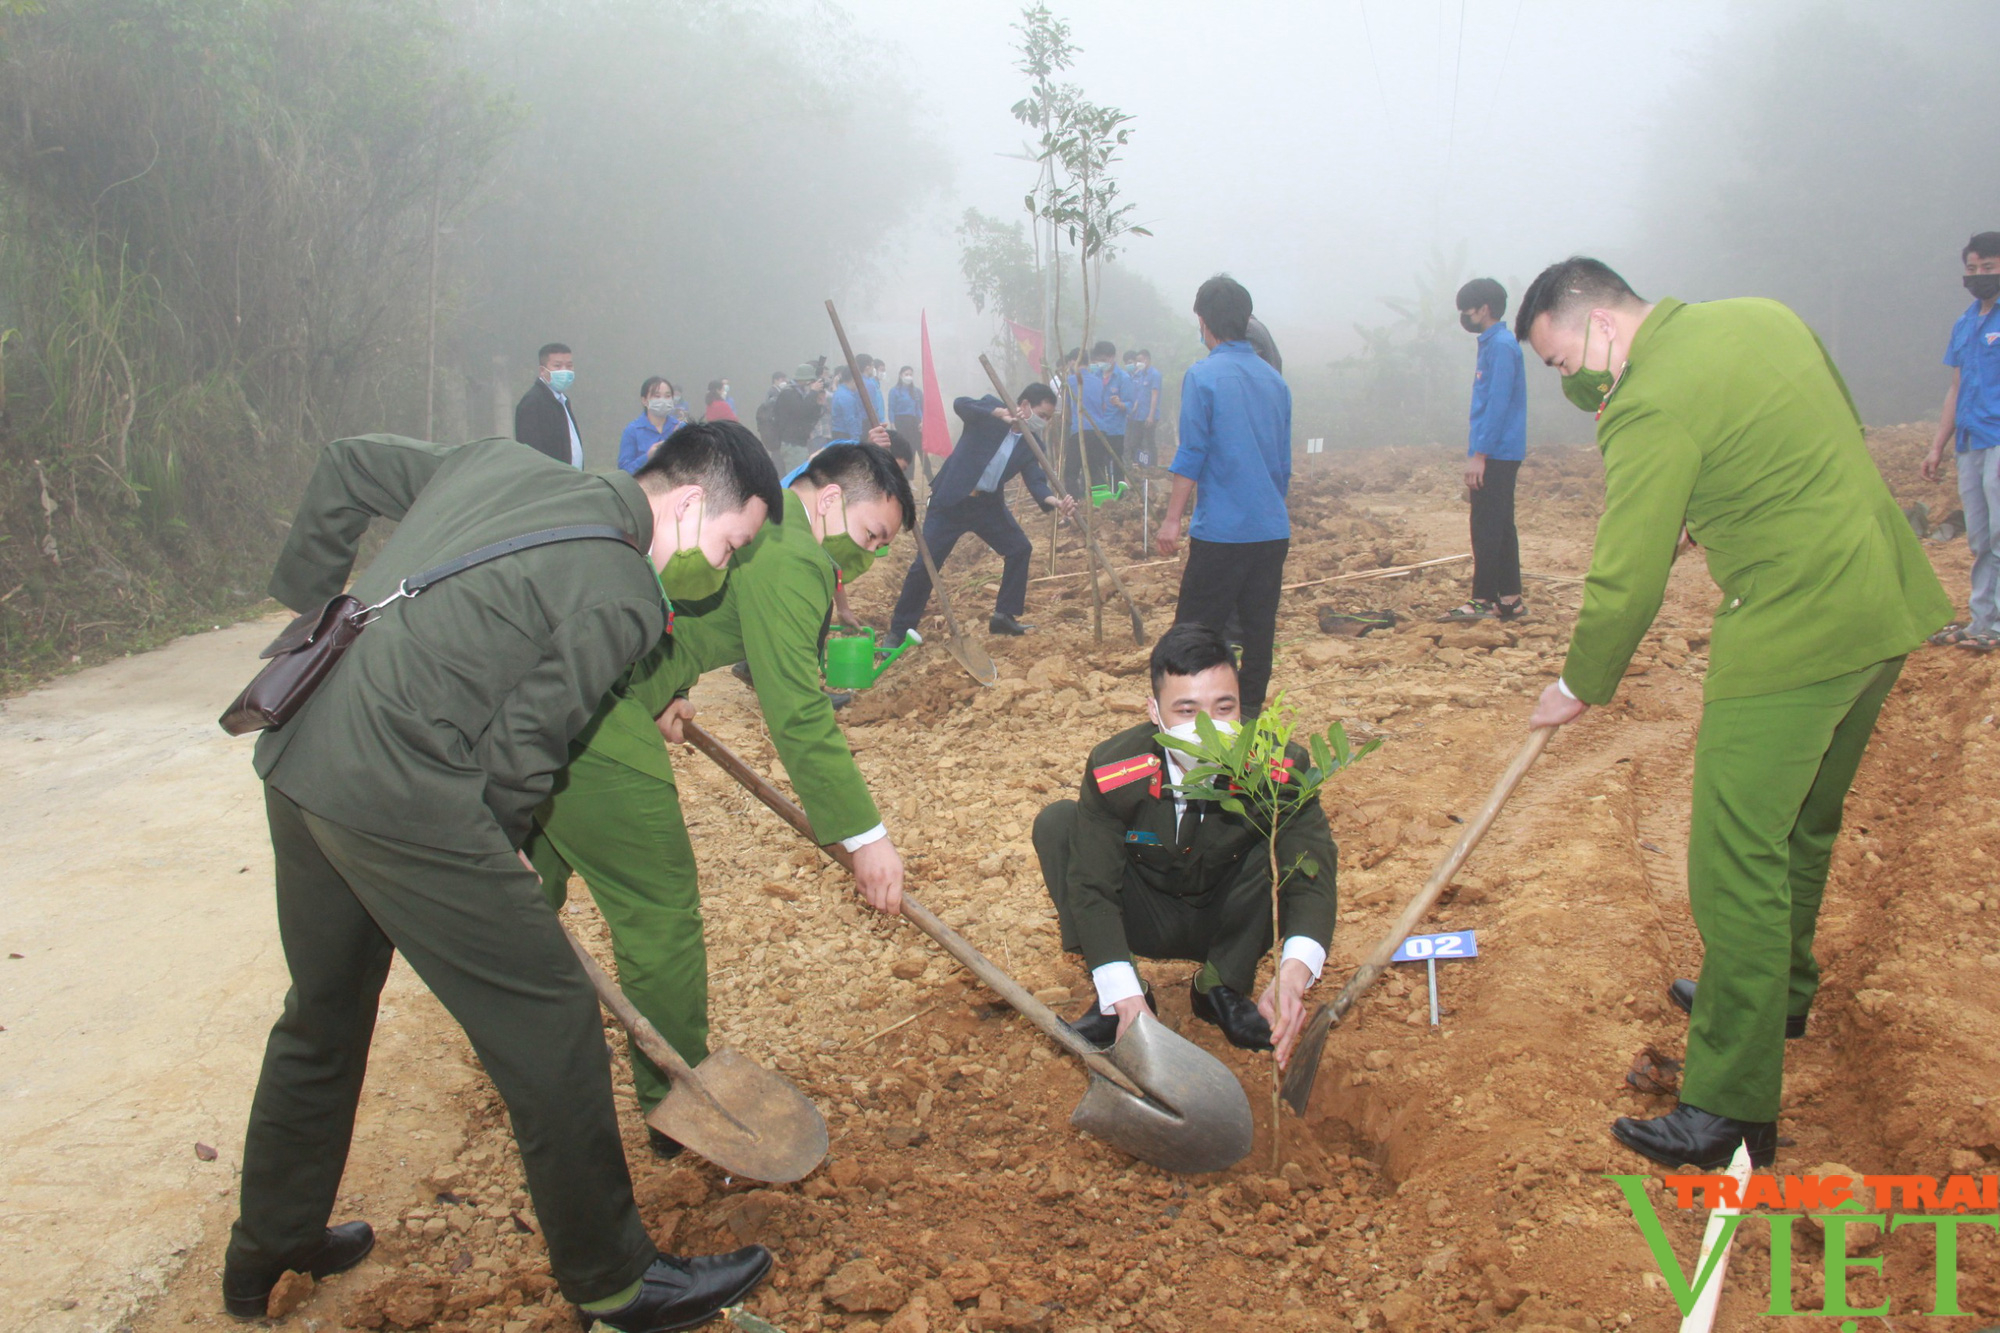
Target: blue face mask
pixel 560 380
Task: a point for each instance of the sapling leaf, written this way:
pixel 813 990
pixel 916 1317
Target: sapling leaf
pixel 1232 805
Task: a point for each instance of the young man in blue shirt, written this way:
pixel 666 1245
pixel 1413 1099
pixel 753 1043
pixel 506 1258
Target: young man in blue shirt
pixel 1495 446
pixel 1970 418
pixel 1236 447
pixel 1145 407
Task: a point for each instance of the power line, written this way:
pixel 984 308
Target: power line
pixel 1381 91
pixel 1501 84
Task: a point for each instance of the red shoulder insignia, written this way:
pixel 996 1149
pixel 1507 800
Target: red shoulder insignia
pixel 1113 776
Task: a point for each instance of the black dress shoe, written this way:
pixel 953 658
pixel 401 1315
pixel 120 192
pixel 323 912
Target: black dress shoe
pixel 680 1293
pixel 664 1146
pixel 246 1294
pixel 1100 1030
pixel 1001 623
pixel 1235 1014
pixel 1691 1136
pixel 1682 995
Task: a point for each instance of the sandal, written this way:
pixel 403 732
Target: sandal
pixel 1980 643
pixel 1476 609
pixel 1950 634
pixel 1518 609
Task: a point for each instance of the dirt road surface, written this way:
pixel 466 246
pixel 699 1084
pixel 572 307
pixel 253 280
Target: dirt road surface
pixel 142 972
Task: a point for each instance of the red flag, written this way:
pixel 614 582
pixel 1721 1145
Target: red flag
pixel 937 434
pixel 1031 345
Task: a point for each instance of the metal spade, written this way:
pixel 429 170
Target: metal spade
pixel 732 1111
pixel 1154 1094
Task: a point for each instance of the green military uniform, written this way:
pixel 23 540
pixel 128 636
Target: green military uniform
pixel 1128 877
pixel 397 797
pixel 615 817
pixel 1731 419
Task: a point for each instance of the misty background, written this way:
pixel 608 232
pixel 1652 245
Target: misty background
pixel 231 231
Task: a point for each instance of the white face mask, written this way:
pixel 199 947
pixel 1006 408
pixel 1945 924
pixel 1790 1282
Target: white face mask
pixel 1186 731
pixel 659 407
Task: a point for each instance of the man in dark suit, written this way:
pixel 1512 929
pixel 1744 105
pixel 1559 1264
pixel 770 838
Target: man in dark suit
pixel 543 419
pixel 970 496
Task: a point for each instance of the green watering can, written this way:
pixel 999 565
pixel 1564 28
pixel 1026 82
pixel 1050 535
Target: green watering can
pixel 849 659
pixel 1102 492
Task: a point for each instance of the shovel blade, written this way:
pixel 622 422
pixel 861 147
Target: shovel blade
pixel 978 663
pixel 770 1131
pixel 1297 1089
pixel 1195 1116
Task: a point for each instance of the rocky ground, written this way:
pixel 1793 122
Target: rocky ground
pixel 1445 1178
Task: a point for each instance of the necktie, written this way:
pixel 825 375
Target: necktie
pixel 1190 823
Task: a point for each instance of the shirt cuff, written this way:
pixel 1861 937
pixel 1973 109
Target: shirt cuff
pixel 1563 685
pixel 860 840
pixel 1307 951
pixel 1115 982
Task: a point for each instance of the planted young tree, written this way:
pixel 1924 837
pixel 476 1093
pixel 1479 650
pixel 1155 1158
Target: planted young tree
pixel 1254 772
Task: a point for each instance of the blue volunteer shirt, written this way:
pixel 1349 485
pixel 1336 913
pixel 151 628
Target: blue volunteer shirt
pixel 1236 446
pixel 1499 398
pixel 1145 399
pixel 905 402
pixel 1975 353
pixel 1100 385
pixel 875 396
pixel 844 407
pixel 639 440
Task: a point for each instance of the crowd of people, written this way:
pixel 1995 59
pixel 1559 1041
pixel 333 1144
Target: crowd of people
pixel 480 744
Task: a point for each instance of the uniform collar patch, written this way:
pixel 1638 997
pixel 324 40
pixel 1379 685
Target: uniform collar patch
pixel 1112 776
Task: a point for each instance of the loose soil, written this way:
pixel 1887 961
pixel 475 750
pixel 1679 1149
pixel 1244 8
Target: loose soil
pixel 1445 1178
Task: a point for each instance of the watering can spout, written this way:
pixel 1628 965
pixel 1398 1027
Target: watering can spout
pixel 909 637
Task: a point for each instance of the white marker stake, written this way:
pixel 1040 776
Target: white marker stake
pixel 1702 1317
pixel 1431 966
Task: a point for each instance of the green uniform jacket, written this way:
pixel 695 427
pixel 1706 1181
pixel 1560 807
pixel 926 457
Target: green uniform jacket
pixel 1130 826
pixel 773 613
pixel 1731 418
pixel 446 722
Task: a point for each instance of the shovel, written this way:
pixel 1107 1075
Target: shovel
pixel 735 1113
pixel 1298 1085
pixel 1154 1094
pixel 978 663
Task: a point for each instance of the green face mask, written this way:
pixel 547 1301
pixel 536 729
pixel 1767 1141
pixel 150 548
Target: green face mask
pixel 852 558
pixel 687 575
pixel 1588 388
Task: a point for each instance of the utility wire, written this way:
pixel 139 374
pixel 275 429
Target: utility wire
pixel 1381 91
pixel 1501 84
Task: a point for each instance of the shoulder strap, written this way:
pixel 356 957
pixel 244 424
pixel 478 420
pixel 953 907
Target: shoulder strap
pixel 416 583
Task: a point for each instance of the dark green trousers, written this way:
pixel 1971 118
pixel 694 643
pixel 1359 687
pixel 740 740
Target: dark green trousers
pixel 622 831
pixel 1771 774
pixel 1228 927
pixel 477 930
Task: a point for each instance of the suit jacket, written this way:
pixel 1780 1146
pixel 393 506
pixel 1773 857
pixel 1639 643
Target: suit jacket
pixel 542 422
pixel 1125 821
pixel 449 717
pixel 1730 418
pixel 982 435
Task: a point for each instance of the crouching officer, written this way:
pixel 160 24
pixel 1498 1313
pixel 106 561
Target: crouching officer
pixel 1136 870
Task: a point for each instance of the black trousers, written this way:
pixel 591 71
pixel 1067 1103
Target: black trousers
pixel 1228 926
pixel 984 515
pixel 1139 439
pixel 1099 448
pixel 911 429
pixel 1221 578
pixel 478 931
pixel 1496 547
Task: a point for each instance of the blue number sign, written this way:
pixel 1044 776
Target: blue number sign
pixel 1423 948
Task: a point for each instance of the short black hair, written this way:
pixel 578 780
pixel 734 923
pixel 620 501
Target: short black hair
pixel 1188 649
pixel 729 463
pixel 1036 394
pixel 841 375
pixel 902 450
pixel 549 350
pixel 1143 352
pixel 778 376
pixel 1577 283
pixel 646 389
pixel 1224 305
pixel 865 361
pixel 1105 348
pixel 1986 245
pixel 866 472
pixel 714 390
pixel 1484 292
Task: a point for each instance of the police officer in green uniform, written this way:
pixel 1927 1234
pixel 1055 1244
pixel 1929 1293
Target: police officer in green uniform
pixel 398 797
pixel 1728 422
pixel 1135 870
pixel 614 815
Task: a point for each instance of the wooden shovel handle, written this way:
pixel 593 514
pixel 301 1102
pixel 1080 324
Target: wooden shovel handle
pixel 644 1035
pixel 920 916
pixel 1378 961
